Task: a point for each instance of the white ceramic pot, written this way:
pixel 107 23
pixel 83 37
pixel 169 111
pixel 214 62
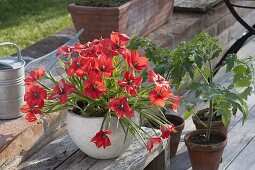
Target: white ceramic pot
pixel 83 129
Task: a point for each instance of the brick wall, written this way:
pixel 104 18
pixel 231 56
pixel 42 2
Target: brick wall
pixel 225 27
pixel 218 21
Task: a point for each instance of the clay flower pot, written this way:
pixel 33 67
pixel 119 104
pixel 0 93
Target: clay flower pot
pixel 178 122
pixel 136 17
pixel 216 124
pixel 205 156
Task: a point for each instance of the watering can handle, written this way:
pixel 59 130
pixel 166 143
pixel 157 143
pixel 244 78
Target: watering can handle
pixel 17 48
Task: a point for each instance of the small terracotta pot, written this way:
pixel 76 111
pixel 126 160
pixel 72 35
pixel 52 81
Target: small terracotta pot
pixel 217 125
pixel 178 122
pixel 205 157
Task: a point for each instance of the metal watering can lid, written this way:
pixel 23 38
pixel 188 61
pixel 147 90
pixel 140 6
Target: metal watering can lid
pixel 8 63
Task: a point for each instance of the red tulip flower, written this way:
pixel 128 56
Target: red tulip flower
pixel 157 79
pixel 154 140
pixel 104 65
pixel 35 96
pixel 34 75
pixel 167 130
pixel 30 112
pixel 27 109
pixel 78 48
pixel 101 138
pixel 87 49
pixel 119 39
pixel 64 50
pixel 109 48
pixel 174 105
pixel 80 66
pixel 121 108
pixel 31 117
pixel 159 95
pixel 137 62
pixel 94 87
pixel 130 83
pixel 61 90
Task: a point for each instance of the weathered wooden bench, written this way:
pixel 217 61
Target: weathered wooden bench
pixel 63 154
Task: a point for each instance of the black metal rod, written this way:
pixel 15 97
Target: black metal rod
pixel 238 18
pixel 233 49
pixel 241 6
pixel 240 42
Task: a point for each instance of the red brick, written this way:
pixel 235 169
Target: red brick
pixel 224 37
pixel 212 30
pixel 216 13
pixel 225 22
pixel 162 40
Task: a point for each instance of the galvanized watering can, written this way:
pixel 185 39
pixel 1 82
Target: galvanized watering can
pixel 12 88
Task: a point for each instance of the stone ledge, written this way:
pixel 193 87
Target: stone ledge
pixel 195 6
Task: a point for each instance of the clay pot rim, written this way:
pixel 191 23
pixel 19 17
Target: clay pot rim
pixel 202 147
pixel 79 116
pixel 194 118
pixel 74 7
pixel 179 118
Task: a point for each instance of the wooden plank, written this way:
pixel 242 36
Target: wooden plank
pixel 63 154
pixel 245 160
pixel 162 161
pixel 238 138
pixel 51 155
pixel 77 161
pixel 32 139
pixel 136 157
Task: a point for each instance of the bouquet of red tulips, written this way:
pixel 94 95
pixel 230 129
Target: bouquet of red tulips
pixel 104 79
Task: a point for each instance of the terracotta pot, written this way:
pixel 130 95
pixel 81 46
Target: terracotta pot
pixel 136 17
pixel 217 125
pixel 205 157
pixel 175 138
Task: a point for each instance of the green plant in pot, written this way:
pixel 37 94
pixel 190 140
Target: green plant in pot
pixel 193 62
pixel 160 58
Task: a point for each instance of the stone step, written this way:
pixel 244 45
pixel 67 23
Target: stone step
pixel 194 6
